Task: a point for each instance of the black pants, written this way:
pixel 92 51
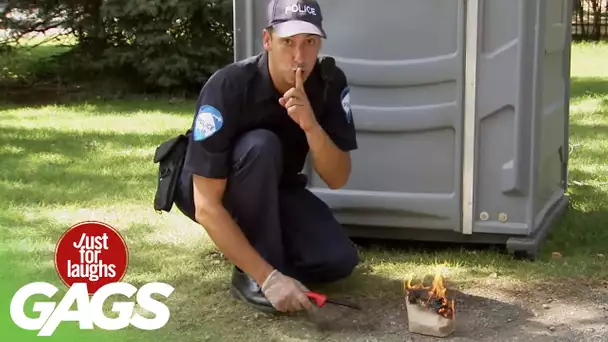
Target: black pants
pixel 289 226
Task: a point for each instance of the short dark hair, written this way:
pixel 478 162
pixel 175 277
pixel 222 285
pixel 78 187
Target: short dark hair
pixel 271 31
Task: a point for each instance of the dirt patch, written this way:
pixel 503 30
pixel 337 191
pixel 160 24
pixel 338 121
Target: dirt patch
pixel 566 310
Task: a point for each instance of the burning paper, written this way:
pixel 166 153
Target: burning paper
pixel 428 309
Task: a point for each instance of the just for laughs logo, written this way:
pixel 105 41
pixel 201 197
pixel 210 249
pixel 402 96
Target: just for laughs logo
pixel 90 265
pixel 91 259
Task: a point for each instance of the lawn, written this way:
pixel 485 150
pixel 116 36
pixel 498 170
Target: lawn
pixel 62 164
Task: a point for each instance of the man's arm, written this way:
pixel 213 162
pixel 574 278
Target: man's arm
pixel 222 229
pixel 331 163
pixel 284 293
pixel 334 137
pixel 214 129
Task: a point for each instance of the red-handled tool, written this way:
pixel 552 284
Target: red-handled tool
pixel 321 300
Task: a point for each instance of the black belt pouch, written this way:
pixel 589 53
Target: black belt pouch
pixel 170 157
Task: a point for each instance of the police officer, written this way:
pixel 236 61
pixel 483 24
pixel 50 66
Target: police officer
pixel 255 122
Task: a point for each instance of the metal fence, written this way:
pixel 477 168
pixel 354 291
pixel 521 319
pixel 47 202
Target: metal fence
pixel 590 20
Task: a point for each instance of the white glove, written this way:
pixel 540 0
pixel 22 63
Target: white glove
pixel 285 293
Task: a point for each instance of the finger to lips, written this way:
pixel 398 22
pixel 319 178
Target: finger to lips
pixel 299 83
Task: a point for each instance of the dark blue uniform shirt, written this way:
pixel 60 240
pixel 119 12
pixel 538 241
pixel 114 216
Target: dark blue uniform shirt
pixel 241 97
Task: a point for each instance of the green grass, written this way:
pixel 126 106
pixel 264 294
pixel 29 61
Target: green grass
pixel 62 164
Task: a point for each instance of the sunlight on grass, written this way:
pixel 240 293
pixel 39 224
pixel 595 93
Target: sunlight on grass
pixel 115 118
pixel 161 247
pixel 587 108
pixel 589 60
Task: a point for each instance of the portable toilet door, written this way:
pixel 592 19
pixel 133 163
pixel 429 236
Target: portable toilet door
pixel 448 112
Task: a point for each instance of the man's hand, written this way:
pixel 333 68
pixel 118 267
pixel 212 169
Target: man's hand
pixel 286 294
pixel 297 105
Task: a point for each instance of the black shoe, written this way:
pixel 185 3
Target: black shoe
pixel 246 289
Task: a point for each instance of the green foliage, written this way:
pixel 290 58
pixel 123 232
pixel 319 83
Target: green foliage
pixel 170 43
pixel 149 45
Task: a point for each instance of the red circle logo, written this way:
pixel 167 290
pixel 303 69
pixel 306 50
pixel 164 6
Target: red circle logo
pixel 91 252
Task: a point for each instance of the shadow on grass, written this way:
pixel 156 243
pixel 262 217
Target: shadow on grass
pixel 590 135
pixel 127 106
pixel 46 166
pixel 583 86
pixel 385 315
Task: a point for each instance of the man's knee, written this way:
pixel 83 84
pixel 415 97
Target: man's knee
pixel 342 262
pixel 336 264
pixel 259 147
pixel 256 169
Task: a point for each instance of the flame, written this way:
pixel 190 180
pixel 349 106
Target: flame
pixel 435 299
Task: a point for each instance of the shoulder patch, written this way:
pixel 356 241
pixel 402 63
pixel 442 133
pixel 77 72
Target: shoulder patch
pixel 345 100
pixel 208 122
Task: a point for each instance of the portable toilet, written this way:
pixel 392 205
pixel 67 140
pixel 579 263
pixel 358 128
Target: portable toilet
pixel 461 109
